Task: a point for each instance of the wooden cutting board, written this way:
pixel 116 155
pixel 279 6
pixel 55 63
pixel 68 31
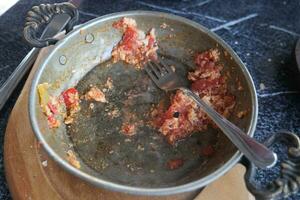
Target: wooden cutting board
pixel 32 174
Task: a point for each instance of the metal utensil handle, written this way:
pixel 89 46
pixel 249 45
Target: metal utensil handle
pixel 288 182
pixel 43 14
pixel 257 153
pixel 36 17
pixel 12 81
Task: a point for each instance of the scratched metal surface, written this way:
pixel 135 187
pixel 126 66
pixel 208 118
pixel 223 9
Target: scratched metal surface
pixel 263 33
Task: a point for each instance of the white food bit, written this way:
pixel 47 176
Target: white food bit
pixel 262 86
pixel 129 21
pixel 45 163
pixel 248 54
pixel 140 147
pixel 155 138
pixel 173 68
pixel 92 106
pixel 269 60
pixel 111 152
pixel 127 140
pixel 236 42
pixel 164 25
pixel 141 34
pixel 241 114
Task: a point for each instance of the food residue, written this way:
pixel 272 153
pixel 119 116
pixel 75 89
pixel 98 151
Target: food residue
pixel 92 106
pixel 95 94
pixel 49 105
pixel 64 106
pixel 175 164
pixel 71 158
pixel 109 83
pixel 114 113
pixel 45 163
pixel 240 87
pixel 128 129
pixel 136 47
pixel 242 114
pixel 207 151
pixel 164 25
pixel 183 117
pixel 71 100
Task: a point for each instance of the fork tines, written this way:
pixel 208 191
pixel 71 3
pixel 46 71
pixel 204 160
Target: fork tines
pixel 157 69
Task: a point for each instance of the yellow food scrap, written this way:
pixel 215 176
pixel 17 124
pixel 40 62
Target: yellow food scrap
pixel 43 94
pixel 242 114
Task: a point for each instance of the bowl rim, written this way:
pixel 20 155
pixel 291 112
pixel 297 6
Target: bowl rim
pixel 197 184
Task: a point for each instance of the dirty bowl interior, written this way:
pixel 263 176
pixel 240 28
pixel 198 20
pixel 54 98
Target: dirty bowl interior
pixel 136 164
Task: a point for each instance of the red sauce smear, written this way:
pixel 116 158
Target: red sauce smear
pixel 175 163
pixel 207 151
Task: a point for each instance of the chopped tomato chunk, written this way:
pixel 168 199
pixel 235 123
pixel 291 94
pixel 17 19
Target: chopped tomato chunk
pixel 70 97
pixel 136 47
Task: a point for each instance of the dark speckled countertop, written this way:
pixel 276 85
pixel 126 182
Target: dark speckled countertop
pixel 263 33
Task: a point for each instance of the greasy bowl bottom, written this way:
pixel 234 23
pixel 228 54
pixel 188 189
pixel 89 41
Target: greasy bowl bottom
pixel 137 166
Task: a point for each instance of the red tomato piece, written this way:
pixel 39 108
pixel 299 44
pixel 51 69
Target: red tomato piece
pixel 151 42
pixel 52 108
pixel 129 38
pixel 70 97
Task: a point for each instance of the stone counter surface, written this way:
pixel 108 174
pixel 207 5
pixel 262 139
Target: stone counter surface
pixel 262 32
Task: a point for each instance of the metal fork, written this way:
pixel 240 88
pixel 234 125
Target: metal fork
pixel 166 79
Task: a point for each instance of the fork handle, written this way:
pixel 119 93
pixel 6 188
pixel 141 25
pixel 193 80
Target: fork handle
pixel 257 153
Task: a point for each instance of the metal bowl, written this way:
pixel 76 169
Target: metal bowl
pixel 83 52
